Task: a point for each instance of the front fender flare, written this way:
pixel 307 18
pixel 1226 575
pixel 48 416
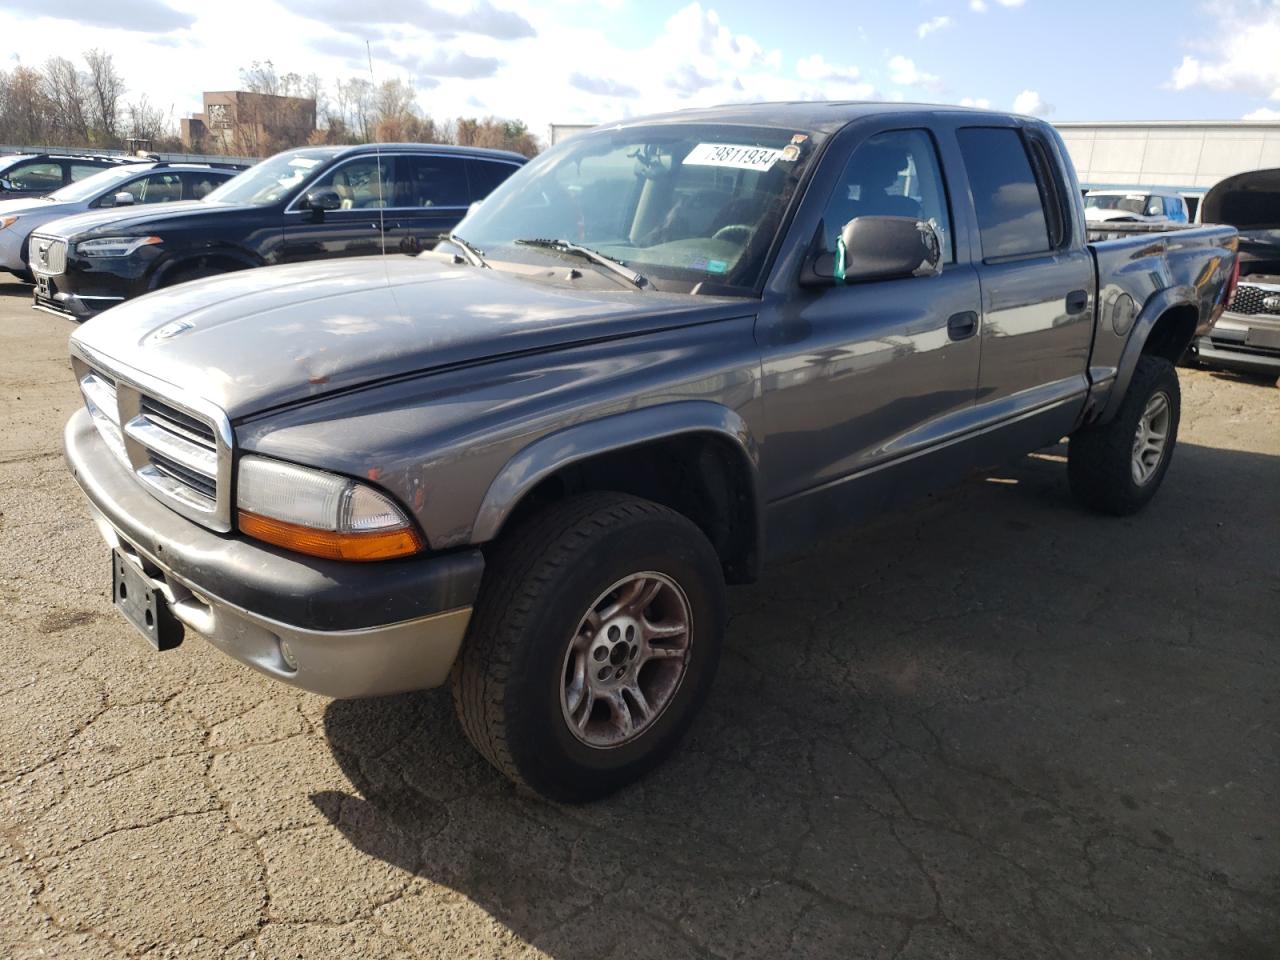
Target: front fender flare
pixel 608 434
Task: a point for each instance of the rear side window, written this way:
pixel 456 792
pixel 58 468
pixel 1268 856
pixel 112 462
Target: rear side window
pixel 84 169
pixel 485 175
pixel 36 175
pixel 432 182
pixel 1007 198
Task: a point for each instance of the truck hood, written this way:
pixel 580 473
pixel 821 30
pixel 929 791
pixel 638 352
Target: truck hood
pixel 28 205
pixel 116 219
pixel 257 339
pixel 1247 201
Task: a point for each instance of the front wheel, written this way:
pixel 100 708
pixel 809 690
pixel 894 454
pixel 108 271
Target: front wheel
pixel 595 640
pixel 1116 467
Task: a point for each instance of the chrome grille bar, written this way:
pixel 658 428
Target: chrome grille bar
pixel 179 447
pixel 48 255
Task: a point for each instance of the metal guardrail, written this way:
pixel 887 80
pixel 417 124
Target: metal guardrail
pixel 174 157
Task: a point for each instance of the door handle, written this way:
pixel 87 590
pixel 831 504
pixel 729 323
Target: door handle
pixel 1077 301
pixel 962 326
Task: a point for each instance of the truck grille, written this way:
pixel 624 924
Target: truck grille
pixel 180 452
pixel 48 256
pixel 1256 300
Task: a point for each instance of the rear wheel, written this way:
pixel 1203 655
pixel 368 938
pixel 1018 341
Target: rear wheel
pixel 1116 467
pixel 595 640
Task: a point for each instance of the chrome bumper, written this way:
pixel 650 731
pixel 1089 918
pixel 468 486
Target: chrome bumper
pixel 395 658
pixel 339 653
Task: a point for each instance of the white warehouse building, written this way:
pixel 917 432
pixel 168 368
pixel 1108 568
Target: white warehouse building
pixel 1188 155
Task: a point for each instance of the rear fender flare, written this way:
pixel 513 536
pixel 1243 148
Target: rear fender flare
pixel 582 441
pixel 1157 305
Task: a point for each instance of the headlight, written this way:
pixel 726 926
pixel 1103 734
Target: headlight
pixel 320 513
pixel 7 222
pixel 114 246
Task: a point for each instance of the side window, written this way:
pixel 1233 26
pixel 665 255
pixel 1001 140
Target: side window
pixel 197 186
pixel 36 175
pixel 81 170
pixel 893 174
pixel 156 188
pixel 432 182
pixel 360 184
pixel 1006 195
pixel 485 175
pixel 1155 206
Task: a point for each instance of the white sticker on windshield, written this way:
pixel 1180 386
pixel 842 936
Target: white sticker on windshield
pixel 732 155
pixel 306 163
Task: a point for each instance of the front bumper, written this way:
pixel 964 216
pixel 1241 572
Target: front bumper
pixel 339 629
pixel 73 305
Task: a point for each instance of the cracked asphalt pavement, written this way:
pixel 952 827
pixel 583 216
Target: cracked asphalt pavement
pixel 991 726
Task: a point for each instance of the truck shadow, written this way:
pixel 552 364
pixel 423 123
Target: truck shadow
pixel 950 733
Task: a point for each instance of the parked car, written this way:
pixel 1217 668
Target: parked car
pixel 35 174
pixel 665 351
pixel 1140 207
pixel 308 204
pixel 124 185
pixel 1247 338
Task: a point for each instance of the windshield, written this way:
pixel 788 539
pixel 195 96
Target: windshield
pixel 1128 202
pixel 271 180
pixel 680 204
pixel 91 186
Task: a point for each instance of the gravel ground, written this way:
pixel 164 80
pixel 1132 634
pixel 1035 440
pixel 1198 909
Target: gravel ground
pixel 994 726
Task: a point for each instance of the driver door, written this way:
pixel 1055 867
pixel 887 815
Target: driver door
pixel 869 385
pixel 365 189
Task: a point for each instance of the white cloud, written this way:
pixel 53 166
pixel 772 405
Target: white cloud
pixel 1241 58
pixel 1030 102
pixel 815 68
pixel 982 103
pixel 932 26
pixel 978 6
pixel 904 72
pixel 1262 113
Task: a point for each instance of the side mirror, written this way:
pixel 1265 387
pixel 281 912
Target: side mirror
pixel 321 199
pixel 123 199
pixel 886 248
pixel 874 248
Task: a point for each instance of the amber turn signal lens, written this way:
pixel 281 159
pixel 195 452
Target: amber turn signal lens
pixel 330 544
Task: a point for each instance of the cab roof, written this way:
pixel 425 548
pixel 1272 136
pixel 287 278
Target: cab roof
pixel 818 116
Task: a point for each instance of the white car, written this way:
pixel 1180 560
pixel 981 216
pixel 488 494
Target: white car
pixel 1110 206
pixel 134 183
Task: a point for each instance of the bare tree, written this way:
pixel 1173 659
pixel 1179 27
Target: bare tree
pixel 148 122
pixel 24 106
pixel 106 88
pixel 68 92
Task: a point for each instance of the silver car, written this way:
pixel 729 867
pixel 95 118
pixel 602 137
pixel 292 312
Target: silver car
pixel 135 183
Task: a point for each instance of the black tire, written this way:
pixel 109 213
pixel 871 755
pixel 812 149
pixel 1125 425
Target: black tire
pixel 540 582
pixel 194 271
pixel 1100 456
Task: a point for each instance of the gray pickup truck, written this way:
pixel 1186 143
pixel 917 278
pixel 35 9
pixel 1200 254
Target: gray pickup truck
pixel 662 353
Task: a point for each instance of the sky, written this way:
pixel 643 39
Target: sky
pixel 589 61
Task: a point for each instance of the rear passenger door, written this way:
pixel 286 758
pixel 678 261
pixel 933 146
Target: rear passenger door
pixel 431 195
pixel 1037 291
pixel 484 176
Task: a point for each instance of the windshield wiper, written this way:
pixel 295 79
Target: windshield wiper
pixel 473 252
pixel 567 246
